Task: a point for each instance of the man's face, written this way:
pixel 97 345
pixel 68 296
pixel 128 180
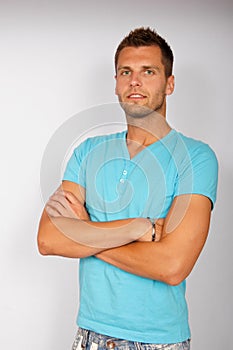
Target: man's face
pixel 141 84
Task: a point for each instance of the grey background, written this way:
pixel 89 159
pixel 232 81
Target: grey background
pixel 56 60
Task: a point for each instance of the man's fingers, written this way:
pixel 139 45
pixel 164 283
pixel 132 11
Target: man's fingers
pixel 60 198
pixel 56 206
pixel 67 204
pixel 68 195
pixel 52 212
pixel 64 201
pixel 61 205
pixel 72 198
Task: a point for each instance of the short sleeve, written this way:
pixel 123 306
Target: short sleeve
pixel 75 169
pixel 199 173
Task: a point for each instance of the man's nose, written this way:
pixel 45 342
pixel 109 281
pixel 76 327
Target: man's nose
pixel 135 80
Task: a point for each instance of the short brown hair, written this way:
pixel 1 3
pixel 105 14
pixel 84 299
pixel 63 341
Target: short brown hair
pixel 147 37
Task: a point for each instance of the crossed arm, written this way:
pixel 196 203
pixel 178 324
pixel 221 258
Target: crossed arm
pixel 172 258
pixel 169 260
pixel 65 228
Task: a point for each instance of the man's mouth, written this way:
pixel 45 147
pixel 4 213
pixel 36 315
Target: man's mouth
pixel 136 96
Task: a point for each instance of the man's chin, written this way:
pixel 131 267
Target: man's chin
pixel 135 110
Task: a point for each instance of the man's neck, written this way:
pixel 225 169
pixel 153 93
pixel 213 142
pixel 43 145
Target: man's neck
pixel 147 130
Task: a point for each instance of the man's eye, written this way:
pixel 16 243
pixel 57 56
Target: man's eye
pixel 149 72
pixel 126 72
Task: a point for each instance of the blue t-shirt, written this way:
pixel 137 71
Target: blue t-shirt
pixel 114 302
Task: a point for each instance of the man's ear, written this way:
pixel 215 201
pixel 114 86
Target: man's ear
pixel 116 92
pixel 170 85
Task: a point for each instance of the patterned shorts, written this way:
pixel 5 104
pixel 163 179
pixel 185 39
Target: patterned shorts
pixel 89 340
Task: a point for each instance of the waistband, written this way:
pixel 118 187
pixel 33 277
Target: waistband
pixel 108 342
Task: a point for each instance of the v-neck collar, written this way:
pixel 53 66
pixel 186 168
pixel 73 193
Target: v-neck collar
pixel 157 144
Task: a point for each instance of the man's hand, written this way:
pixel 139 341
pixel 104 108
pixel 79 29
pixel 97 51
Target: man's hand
pixel 158 232
pixel 65 204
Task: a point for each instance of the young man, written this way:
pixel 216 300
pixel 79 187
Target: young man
pixel 133 269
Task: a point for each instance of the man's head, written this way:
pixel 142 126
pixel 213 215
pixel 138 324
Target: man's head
pixel 143 73
pixel 147 37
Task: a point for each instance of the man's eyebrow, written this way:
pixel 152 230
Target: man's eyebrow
pixel 144 67
pixel 124 67
pixel 152 67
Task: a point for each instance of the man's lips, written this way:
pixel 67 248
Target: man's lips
pixel 136 96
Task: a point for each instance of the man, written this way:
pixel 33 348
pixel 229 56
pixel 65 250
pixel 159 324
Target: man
pixel 133 269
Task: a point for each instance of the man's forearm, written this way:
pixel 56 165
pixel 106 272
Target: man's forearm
pixel 172 258
pixel 103 235
pixel 146 259
pixel 76 238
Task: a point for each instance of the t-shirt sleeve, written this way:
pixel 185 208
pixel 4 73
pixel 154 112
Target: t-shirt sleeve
pixel 199 173
pixel 75 168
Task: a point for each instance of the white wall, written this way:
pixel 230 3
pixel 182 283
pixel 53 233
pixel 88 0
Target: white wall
pixel 56 60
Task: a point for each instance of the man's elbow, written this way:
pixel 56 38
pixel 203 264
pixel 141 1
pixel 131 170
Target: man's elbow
pixel 174 274
pixel 42 249
pixel 45 242
pixel 174 280
pixel 52 242
pixel 43 245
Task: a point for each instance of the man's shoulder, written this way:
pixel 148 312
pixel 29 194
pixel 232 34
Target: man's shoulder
pixel 190 152
pixel 94 141
pixel 106 137
pixel 194 146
